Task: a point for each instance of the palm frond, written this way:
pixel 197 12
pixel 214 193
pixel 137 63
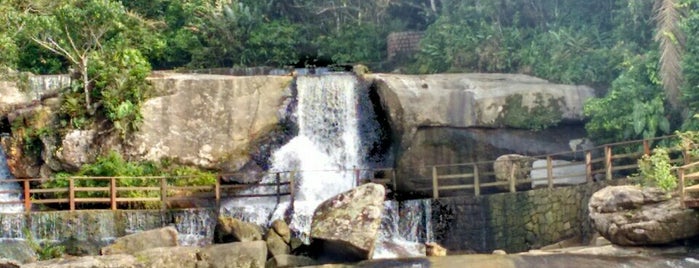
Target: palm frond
pixel 671 42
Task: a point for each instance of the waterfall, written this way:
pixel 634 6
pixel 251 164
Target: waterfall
pixel 405 227
pixel 8 186
pixel 337 127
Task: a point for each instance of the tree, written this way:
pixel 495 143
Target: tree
pixel 671 41
pixel 77 29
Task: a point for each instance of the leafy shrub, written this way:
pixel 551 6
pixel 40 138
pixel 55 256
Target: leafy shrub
pixel 46 251
pixel 656 170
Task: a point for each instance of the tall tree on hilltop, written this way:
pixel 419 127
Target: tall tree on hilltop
pixel 671 42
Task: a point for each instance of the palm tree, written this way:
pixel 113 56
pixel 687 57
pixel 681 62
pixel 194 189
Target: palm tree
pixel 671 42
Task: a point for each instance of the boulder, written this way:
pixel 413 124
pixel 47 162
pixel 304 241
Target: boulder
pixel 234 255
pixel 163 237
pixel 77 149
pixel 282 229
pixel 108 261
pixel 230 229
pixel 459 118
pixel 283 261
pixel 18 251
pixel 181 257
pixel 515 165
pixel 633 216
pixel 276 244
pixel 345 227
pixel 209 120
pixel 8 263
pixel 435 250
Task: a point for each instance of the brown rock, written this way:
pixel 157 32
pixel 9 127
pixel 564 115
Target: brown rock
pixel 163 237
pixel 346 226
pixel 434 249
pixel 282 229
pixel 234 255
pixel 234 230
pixel 276 244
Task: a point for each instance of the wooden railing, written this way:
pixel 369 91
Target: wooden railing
pixel 687 174
pixel 159 191
pixel 597 163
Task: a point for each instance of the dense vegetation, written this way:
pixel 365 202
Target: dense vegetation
pixel 642 55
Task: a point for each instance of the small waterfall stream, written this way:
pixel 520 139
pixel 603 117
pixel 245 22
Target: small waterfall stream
pixel 8 197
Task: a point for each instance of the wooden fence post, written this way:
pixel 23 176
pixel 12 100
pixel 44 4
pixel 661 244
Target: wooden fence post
pixel 685 156
pixel 549 171
pixel 393 177
pixel 608 161
pixel 476 181
pixel 278 180
pixel 291 188
pixel 217 192
pixel 513 184
pixel 27 196
pixel 163 193
pixel 71 194
pixel 681 177
pixel 112 193
pixel 435 184
pixel 646 147
pixel 588 166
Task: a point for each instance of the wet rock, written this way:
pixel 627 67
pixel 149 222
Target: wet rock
pixel 283 261
pixel 18 251
pixel 345 227
pixel 435 250
pixel 76 247
pixel 233 255
pixel 632 216
pixel 230 229
pixel 163 237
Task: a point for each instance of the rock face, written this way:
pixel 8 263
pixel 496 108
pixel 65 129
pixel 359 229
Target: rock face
pixel 234 230
pixel 163 237
pixel 209 120
pixel 76 149
pixel 278 238
pixel 234 255
pixel 452 118
pixel 345 227
pixel 18 251
pixel 564 173
pixel 182 257
pixel 631 216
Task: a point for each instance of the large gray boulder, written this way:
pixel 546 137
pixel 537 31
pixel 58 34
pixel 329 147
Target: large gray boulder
pixel 234 255
pixel 345 227
pixel 632 216
pixel 209 120
pixel 458 118
pixel 163 237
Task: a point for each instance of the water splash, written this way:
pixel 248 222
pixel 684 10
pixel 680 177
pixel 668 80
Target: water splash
pixel 8 186
pixel 336 127
pixel 405 228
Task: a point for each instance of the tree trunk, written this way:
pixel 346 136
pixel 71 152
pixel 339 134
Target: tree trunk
pixel 86 83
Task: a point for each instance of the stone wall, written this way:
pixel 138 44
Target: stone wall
pixel 514 222
pixel 404 43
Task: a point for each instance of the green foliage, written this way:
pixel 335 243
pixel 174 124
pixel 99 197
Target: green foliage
pixel 633 108
pixel 113 165
pixel 544 113
pixel 656 170
pixel 46 251
pixel 350 43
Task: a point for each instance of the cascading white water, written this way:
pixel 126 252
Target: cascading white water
pixel 331 115
pixel 11 186
pixel 405 227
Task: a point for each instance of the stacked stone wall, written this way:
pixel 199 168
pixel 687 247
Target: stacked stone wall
pixel 514 222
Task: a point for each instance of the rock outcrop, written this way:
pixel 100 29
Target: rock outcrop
pixel 18 251
pixel 345 227
pixel 452 118
pixel 234 255
pixel 278 238
pixel 210 121
pixel 512 165
pixel 632 216
pixel 163 237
